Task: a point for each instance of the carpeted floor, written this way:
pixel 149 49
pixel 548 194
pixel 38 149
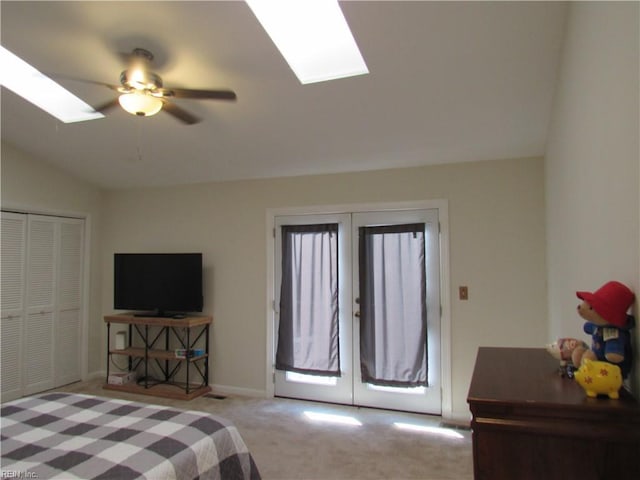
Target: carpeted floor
pixel 289 441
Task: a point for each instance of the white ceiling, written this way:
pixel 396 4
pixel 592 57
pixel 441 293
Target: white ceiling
pixel 449 82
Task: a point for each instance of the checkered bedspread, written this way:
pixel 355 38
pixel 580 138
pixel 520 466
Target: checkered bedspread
pixel 60 435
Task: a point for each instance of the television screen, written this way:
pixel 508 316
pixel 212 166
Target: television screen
pixel 163 283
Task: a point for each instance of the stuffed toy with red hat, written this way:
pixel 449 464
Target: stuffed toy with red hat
pixel 609 325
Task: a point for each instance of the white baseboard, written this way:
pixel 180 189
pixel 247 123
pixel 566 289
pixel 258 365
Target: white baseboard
pixel 240 391
pixel 459 420
pixel 216 388
pixel 102 374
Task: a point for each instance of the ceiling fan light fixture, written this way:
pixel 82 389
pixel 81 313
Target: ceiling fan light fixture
pixel 140 104
pixel 140 79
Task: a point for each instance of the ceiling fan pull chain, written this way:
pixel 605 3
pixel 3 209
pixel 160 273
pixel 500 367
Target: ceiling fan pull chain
pixel 138 141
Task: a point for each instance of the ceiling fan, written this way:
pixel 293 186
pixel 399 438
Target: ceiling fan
pixel 142 92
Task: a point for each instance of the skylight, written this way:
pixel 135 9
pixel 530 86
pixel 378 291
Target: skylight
pixel 35 87
pixel 313 36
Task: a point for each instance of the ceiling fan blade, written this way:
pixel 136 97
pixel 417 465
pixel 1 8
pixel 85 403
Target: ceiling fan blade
pixel 83 80
pixel 115 88
pixel 199 94
pixel 180 113
pixel 106 106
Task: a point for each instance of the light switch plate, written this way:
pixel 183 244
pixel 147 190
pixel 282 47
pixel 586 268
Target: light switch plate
pixel 463 293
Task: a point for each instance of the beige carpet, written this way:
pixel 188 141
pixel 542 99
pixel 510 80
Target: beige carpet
pixel 286 444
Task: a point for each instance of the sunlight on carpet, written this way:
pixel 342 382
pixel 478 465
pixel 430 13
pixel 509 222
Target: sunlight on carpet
pixel 332 418
pixel 440 431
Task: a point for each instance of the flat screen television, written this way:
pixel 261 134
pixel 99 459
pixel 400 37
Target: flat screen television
pixel 163 284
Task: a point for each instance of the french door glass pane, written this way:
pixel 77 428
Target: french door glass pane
pixel 393 310
pixel 308 328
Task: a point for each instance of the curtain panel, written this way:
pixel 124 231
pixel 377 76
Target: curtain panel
pixel 308 328
pixel 393 309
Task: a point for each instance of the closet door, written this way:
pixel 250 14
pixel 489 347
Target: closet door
pixel 42 269
pixel 38 353
pixel 14 232
pixel 68 309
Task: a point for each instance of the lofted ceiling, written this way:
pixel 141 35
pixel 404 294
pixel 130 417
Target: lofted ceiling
pixel 448 82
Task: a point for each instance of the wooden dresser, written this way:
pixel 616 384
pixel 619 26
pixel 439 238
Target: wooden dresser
pixel 531 423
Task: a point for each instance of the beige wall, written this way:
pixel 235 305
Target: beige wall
pixel 497 248
pixel 33 186
pixel 592 163
pixel 497 232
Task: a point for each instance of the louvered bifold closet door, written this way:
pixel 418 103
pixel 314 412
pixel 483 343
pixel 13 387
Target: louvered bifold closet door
pixel 38 353
pixel 68 305
pixel 14 231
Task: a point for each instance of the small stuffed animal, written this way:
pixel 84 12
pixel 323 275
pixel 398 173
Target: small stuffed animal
pixel 605 311
pixel 599 378
pixel 562 349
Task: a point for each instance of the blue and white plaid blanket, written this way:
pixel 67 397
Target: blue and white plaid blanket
pixel 64 436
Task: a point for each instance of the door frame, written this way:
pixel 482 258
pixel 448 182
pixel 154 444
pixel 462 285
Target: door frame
pixel 441 205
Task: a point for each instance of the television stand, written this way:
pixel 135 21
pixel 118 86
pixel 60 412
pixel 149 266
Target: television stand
pixel 159 315
pixel 188 333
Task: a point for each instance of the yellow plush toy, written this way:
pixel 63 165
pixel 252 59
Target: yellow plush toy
pixel 599 378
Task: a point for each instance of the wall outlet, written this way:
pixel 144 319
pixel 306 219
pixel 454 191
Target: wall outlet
pixel 121 340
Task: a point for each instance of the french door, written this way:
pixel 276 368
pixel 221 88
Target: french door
pixel 358 309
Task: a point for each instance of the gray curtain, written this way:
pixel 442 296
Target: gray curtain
pixel 308 329
pixel 393 309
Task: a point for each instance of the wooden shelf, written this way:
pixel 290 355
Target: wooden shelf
pixel 154 353
pixel 129 318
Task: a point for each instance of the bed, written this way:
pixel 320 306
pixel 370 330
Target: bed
pixel 63 435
